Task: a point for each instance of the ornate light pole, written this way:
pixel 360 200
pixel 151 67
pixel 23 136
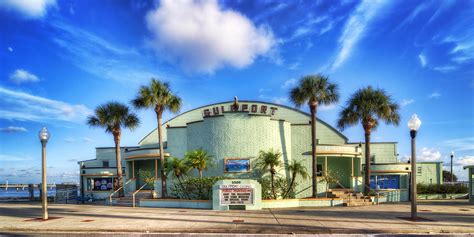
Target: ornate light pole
pixel 452 175
pixel 413 124
pixel 44 136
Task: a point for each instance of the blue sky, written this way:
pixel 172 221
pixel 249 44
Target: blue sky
pixel 60 59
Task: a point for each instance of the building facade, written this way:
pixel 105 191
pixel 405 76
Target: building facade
pixel 234 133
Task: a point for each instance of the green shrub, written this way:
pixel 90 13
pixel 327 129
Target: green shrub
pixel 194 188
pixel 281 186
pixel 441 188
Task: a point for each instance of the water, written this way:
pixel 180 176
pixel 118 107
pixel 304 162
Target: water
pixel 14 193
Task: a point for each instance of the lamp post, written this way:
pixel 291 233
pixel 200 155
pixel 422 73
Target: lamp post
pixel 44 135
pixel 452 175
pixel 413 124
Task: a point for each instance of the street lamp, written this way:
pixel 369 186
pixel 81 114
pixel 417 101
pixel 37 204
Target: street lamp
pixel 452 175
pixel 413 124
pixel 44 135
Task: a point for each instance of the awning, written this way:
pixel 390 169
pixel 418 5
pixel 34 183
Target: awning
pixel 146 156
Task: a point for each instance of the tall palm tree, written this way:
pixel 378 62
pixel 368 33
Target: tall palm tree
pixel 296 169
pixel 178 168
pixel 367 106
pixel 159 97
pixel 113 116
pixel 270 161
pixel 199 159
pixel 314 90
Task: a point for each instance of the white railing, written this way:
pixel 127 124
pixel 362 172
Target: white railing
pixel 112 194
pixel 133 195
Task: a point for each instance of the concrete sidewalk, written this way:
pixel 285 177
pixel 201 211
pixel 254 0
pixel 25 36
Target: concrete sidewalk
pixel 446 217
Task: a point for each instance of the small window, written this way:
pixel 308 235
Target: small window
pixel 372 159
pixel 105 163
pixel 319 170
pixel 418 170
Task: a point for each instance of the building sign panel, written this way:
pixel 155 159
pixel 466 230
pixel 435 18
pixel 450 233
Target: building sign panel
pixel 249 108
pixel 237 165
pixel 236 194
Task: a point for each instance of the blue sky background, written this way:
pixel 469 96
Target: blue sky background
pixel 60 59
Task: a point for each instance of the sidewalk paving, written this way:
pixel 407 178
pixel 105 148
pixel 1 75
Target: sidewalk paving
pixel 453 216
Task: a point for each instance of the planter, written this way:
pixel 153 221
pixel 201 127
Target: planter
pixel 176 203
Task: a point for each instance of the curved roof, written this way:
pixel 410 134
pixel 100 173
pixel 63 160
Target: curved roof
pixel 295 120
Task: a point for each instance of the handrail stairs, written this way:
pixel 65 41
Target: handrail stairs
pixel 133 195
pixel 112 194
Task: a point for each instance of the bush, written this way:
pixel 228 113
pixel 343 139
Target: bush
pixel 194 188
pixel 441 188
pixel 281 186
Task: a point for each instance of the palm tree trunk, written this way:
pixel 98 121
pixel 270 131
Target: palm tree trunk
pixel 273 185
pixel 313 108
pixel 367 161
pixel 162 156
pixel 200 174
pixel 290 187
pixel 118 160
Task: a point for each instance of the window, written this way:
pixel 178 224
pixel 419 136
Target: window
pixel 372 159
pixel 385 181
pixel 105 164
pixel 418 170
pixel 319 170
pixel 99 184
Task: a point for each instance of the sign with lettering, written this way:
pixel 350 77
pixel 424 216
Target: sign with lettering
pixel 250 108
pixel 236 194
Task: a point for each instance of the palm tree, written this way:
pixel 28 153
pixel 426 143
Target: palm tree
pixel 159 97
pixel 295 169
pixel 367 106
pixel 178 168
pixel 199 159
pixel 269 161
pixel 314 90
pixel 113 116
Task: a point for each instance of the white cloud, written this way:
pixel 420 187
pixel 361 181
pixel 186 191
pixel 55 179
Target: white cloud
pixel 445 69
pixel 10 49
pixel 15 105
pixel 434 95
pixel 464 161
pixel 406 102
pixel 12 129
pixel 70 140
pixel 422 59
pixel 87 140
pixel 280 100
pixel 20 75
pixel 203 37
pixel 429 154
pixel 355 28
pixel 294 66
pixel 327 107
pixel 28 8
pixel 289 83
pixel 459 144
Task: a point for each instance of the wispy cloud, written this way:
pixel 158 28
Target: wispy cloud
pixel 289 83
pixel 445 69
pixel 102 58
pixel 87 140
pixel 459 144
pixel 13 129
pixel 434 95
pixel 28 9
pixel 10 49
pixel 406 102
pixel 20 76
pixel 355 28
pixel 16 105
pixel 465 161
pixel 11 157
pixel 422 59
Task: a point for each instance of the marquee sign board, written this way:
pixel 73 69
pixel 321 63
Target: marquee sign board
pixel 236 194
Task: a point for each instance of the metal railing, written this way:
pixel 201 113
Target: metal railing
pixel 112 194
pixel 133 195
